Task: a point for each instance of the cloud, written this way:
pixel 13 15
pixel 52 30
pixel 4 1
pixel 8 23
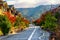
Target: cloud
pixel 34 3
pixel 11 2
pixel 25 5
pixel 31 3
pixel 27 1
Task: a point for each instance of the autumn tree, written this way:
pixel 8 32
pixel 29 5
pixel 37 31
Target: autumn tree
pixel 5 24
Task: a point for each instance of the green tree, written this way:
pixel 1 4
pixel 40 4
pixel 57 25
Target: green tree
pixel 57 14
pixel 5 24
pixel 18 22
pixel 50 22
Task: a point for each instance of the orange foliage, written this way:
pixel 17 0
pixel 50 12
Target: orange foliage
pixel 25 20
pixel 38 20
pixel 7 14
pixel 10 17
pixel 42 18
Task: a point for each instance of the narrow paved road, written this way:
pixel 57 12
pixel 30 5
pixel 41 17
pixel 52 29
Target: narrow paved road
pixel 33 33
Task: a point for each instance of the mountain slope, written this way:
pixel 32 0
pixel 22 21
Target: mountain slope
pixel 35 12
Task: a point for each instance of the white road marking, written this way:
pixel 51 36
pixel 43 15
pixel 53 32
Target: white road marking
pixel 32 34
pixel 41 36
pixel 35 27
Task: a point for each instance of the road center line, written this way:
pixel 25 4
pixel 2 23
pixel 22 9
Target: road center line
pixel 32 34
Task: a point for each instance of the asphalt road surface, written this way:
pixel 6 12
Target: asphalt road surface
pixel 32 33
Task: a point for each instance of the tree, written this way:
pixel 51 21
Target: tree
pixel 50 22
pixel 18 21
pixel 5 24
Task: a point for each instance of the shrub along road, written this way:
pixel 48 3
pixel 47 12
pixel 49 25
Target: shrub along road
pixel 32 33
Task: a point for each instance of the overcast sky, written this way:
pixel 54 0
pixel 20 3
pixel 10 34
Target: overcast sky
pixel 31 3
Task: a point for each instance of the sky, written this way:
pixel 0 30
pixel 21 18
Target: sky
pixel 31 3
